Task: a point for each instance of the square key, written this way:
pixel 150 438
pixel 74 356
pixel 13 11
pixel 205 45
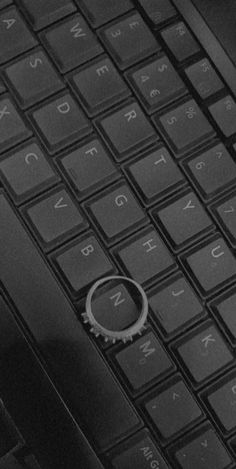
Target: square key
pixel 183 219
pixel 203 451
pixel 204 78
pixel 15 36
pixel 27 172
pixel 213 170
pixel 89 167
pixel 139 452
pixel 61 122
pixel 33 78
pixel 180 41
pixel 116 308
pixel 212 265
pixel 156 174
pixel 129 40
pixel 127 130
pixel 83 262
pixel 71 43
pixel 173 409
pixel 116 212
pixel 158 83
pixel 55 217
pixel 145 257
pixel 99 86
pixel 204 353
pixel 144 361
pixel 175 305
pixel 185 126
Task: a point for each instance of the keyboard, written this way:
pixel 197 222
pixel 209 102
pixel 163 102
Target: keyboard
pixel 118 157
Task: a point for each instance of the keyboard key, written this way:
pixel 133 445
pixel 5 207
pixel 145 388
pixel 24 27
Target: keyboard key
pixel 185 127
pixel 204 451
pixel 125 214
pixel 146 257
pixel 84 262
pixel 225 309
pixel 212 265
pixel 103 11
pixel 89 167
pixel 27 172
pixel 180 41
pixel 175 305
pixel 15 37
pixel 173 409
pixel 60 122
pixel 33 79
pixel 115 309
pixel 226 215
pixel 70 356
pixel 183 219
pixel 156 174
pixel 128 130
pixel 204 353
pixel 158 11
pixel 44 12
pixel 99 86
pixel 139 453
pixel 55 217
pixel 129 40
pixel 204 78
pixel 144 361
pixel 157 84
pixel 213 170
pixel 72 43
pixel 12 128
pixel 222 402
pixel 224 113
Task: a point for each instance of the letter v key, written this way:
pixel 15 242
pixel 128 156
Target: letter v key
pixel 59 204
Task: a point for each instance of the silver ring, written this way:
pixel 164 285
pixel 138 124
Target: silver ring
pixel 125 334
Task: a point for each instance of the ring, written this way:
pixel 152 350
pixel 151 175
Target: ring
pixel 125 334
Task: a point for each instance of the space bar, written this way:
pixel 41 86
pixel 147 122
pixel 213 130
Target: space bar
pixel 83 379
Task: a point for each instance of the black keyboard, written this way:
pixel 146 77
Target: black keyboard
pixel 118 157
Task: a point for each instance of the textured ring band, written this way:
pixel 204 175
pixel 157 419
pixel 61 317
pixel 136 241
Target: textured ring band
pixel 125 334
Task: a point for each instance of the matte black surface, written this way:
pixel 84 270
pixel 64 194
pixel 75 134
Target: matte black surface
pixel 36 406
pixel 213 12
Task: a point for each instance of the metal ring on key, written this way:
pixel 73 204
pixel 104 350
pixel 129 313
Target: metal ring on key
pixel 126 334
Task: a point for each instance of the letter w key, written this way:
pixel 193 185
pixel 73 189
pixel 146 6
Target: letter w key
pixel 77 31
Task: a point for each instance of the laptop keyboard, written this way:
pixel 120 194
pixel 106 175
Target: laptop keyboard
pixel 117 156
